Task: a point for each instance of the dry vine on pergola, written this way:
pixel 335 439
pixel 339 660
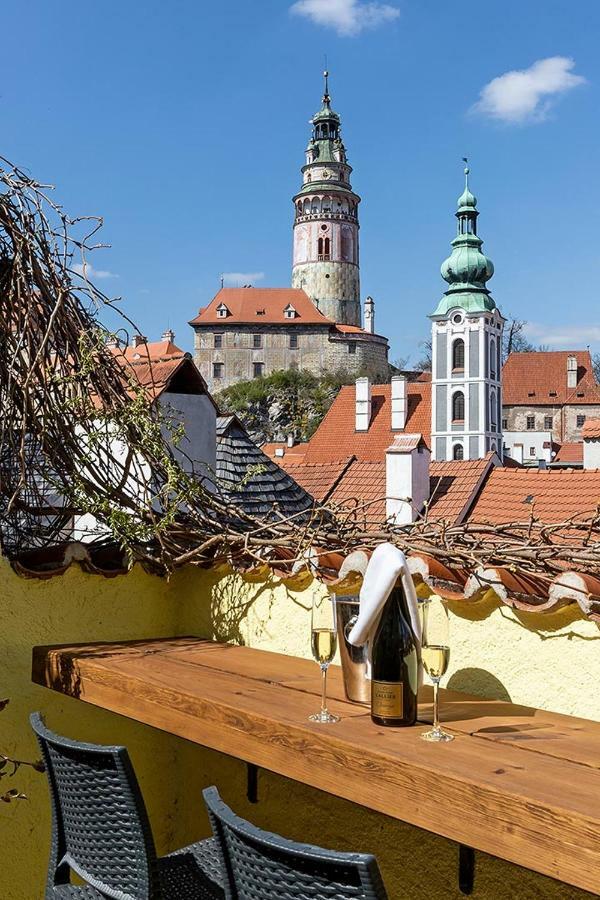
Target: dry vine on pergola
pixel 84 451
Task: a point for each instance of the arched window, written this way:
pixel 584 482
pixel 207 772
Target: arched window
pixel 493 359
pixel 458 355
pixel 458 407
pixel 326 248
pixel 458 452
pixel 320 248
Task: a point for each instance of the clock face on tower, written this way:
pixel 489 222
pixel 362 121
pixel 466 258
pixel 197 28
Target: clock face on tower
pixel 325 173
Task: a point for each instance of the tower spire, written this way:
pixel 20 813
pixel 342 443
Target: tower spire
pixel 326 97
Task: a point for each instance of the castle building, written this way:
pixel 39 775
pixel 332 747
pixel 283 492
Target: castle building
pixel 466 336
pixel 315 325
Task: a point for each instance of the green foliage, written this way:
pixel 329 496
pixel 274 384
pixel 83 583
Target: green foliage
pixel 289 401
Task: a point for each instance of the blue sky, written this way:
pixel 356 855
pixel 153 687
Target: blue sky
pixel 184 125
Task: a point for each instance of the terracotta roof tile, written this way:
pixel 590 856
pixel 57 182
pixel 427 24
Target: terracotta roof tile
pixel 591 428
pixel 555 494
pixel 540 378
pixel 336 435
pixel 452 484
pixel 570 453
pixel 317 479
pixel 363 484
pixel 260 306
pixel 291 455
pixel 160 365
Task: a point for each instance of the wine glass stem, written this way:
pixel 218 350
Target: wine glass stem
pixel 436 714
pixel 324 689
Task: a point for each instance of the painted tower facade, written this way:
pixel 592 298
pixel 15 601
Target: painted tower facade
pixel 325 255
pixel 466 337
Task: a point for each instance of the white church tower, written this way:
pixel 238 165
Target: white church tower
pixel 325 257
pixel 466 338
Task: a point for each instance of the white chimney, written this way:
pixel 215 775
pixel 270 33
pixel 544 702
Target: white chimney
pixel 406 478
pixel 290 440
pixel 591 444
pixel 571 371
pixel 398 394
pixel 370 315
pixel 168 335
pixel 363 404
pixel 138 339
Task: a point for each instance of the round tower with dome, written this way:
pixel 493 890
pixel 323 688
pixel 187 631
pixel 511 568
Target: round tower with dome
pixel 325 255
pixel 466 339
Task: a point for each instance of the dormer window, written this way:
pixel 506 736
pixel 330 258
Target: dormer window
pixel 289 312
pixel 222 311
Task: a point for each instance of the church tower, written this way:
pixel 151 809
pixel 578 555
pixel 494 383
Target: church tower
pixel 466 339
pixel 325 256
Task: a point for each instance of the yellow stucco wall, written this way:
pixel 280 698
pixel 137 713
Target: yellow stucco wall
pixel 546 661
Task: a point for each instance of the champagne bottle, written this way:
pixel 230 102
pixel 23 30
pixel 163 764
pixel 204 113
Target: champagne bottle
pixel 394 664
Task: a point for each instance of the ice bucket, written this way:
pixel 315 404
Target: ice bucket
pixel 354 659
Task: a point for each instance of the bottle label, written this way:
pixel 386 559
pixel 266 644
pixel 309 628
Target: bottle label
pixel 387 699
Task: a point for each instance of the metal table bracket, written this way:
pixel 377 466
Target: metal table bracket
pixel 252 782
pixel 466 869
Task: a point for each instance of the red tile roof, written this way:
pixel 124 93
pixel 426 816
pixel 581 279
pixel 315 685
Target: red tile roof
pixel 570 453
pixel 363 488
pixel 453 484
pixel 591 428
pixel 554 494
pixel 336 434
pixel 256 306
pixel 290 456
pixel 529 379
pixel 160 366
pixel 317 479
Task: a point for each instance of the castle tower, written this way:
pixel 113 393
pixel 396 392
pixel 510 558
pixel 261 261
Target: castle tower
pixel 466 337
pixel 325 256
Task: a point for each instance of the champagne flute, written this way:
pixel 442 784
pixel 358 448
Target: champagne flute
pixel 435 655
pixel 323 646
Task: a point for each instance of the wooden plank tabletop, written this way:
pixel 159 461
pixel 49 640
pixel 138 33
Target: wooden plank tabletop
pixel 517 782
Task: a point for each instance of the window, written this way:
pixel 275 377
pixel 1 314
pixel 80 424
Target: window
pixel 458 407
pixel 218 341
pixel 580 421
pixel 548 423
pixel 458 452
pixel 289 312
pixel 493 359
pixel 218 370
pixel 532 451
pixel 293 341
pixel 257 341
pixel 530 423
pixel 323 247
pixel 258 369
pixel 222 311
pixel 458 356
pixel 504 424
pixel 352 347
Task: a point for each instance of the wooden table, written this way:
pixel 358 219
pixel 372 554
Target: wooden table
pixel 517 782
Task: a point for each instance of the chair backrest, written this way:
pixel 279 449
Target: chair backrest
pixel 263 866
pixel 100 825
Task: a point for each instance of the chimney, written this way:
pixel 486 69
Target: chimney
pixel 591 444
pixel 113 342
pixel 398 395
pixel 290 440
pixel 168 335
pixel 138 339
pixel 406 478
pixel 363 404
pixel 571 371
pixel 370 315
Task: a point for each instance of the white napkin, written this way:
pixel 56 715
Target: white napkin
pixel 386 565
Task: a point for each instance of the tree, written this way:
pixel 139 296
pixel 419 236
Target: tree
pixel 596 366
pixel 514 340
pixel 425 362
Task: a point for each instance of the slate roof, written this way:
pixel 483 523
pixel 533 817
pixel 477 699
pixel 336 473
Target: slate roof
pixel 540 379
pixel 250 479
pixel 336 434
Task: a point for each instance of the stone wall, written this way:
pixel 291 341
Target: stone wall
pixel 317 352
pixel 334 287
pixel 564 419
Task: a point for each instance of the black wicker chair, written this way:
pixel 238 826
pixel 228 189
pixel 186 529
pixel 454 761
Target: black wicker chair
pixel 100 831
pixel 263 866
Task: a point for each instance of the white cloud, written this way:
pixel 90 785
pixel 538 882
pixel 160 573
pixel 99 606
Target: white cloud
pixel 237 279
pixel 86 270
pixel 346 17
pixel 563 337
pixel 526 95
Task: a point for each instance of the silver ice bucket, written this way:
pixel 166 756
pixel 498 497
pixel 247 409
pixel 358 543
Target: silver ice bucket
pixel 354 659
